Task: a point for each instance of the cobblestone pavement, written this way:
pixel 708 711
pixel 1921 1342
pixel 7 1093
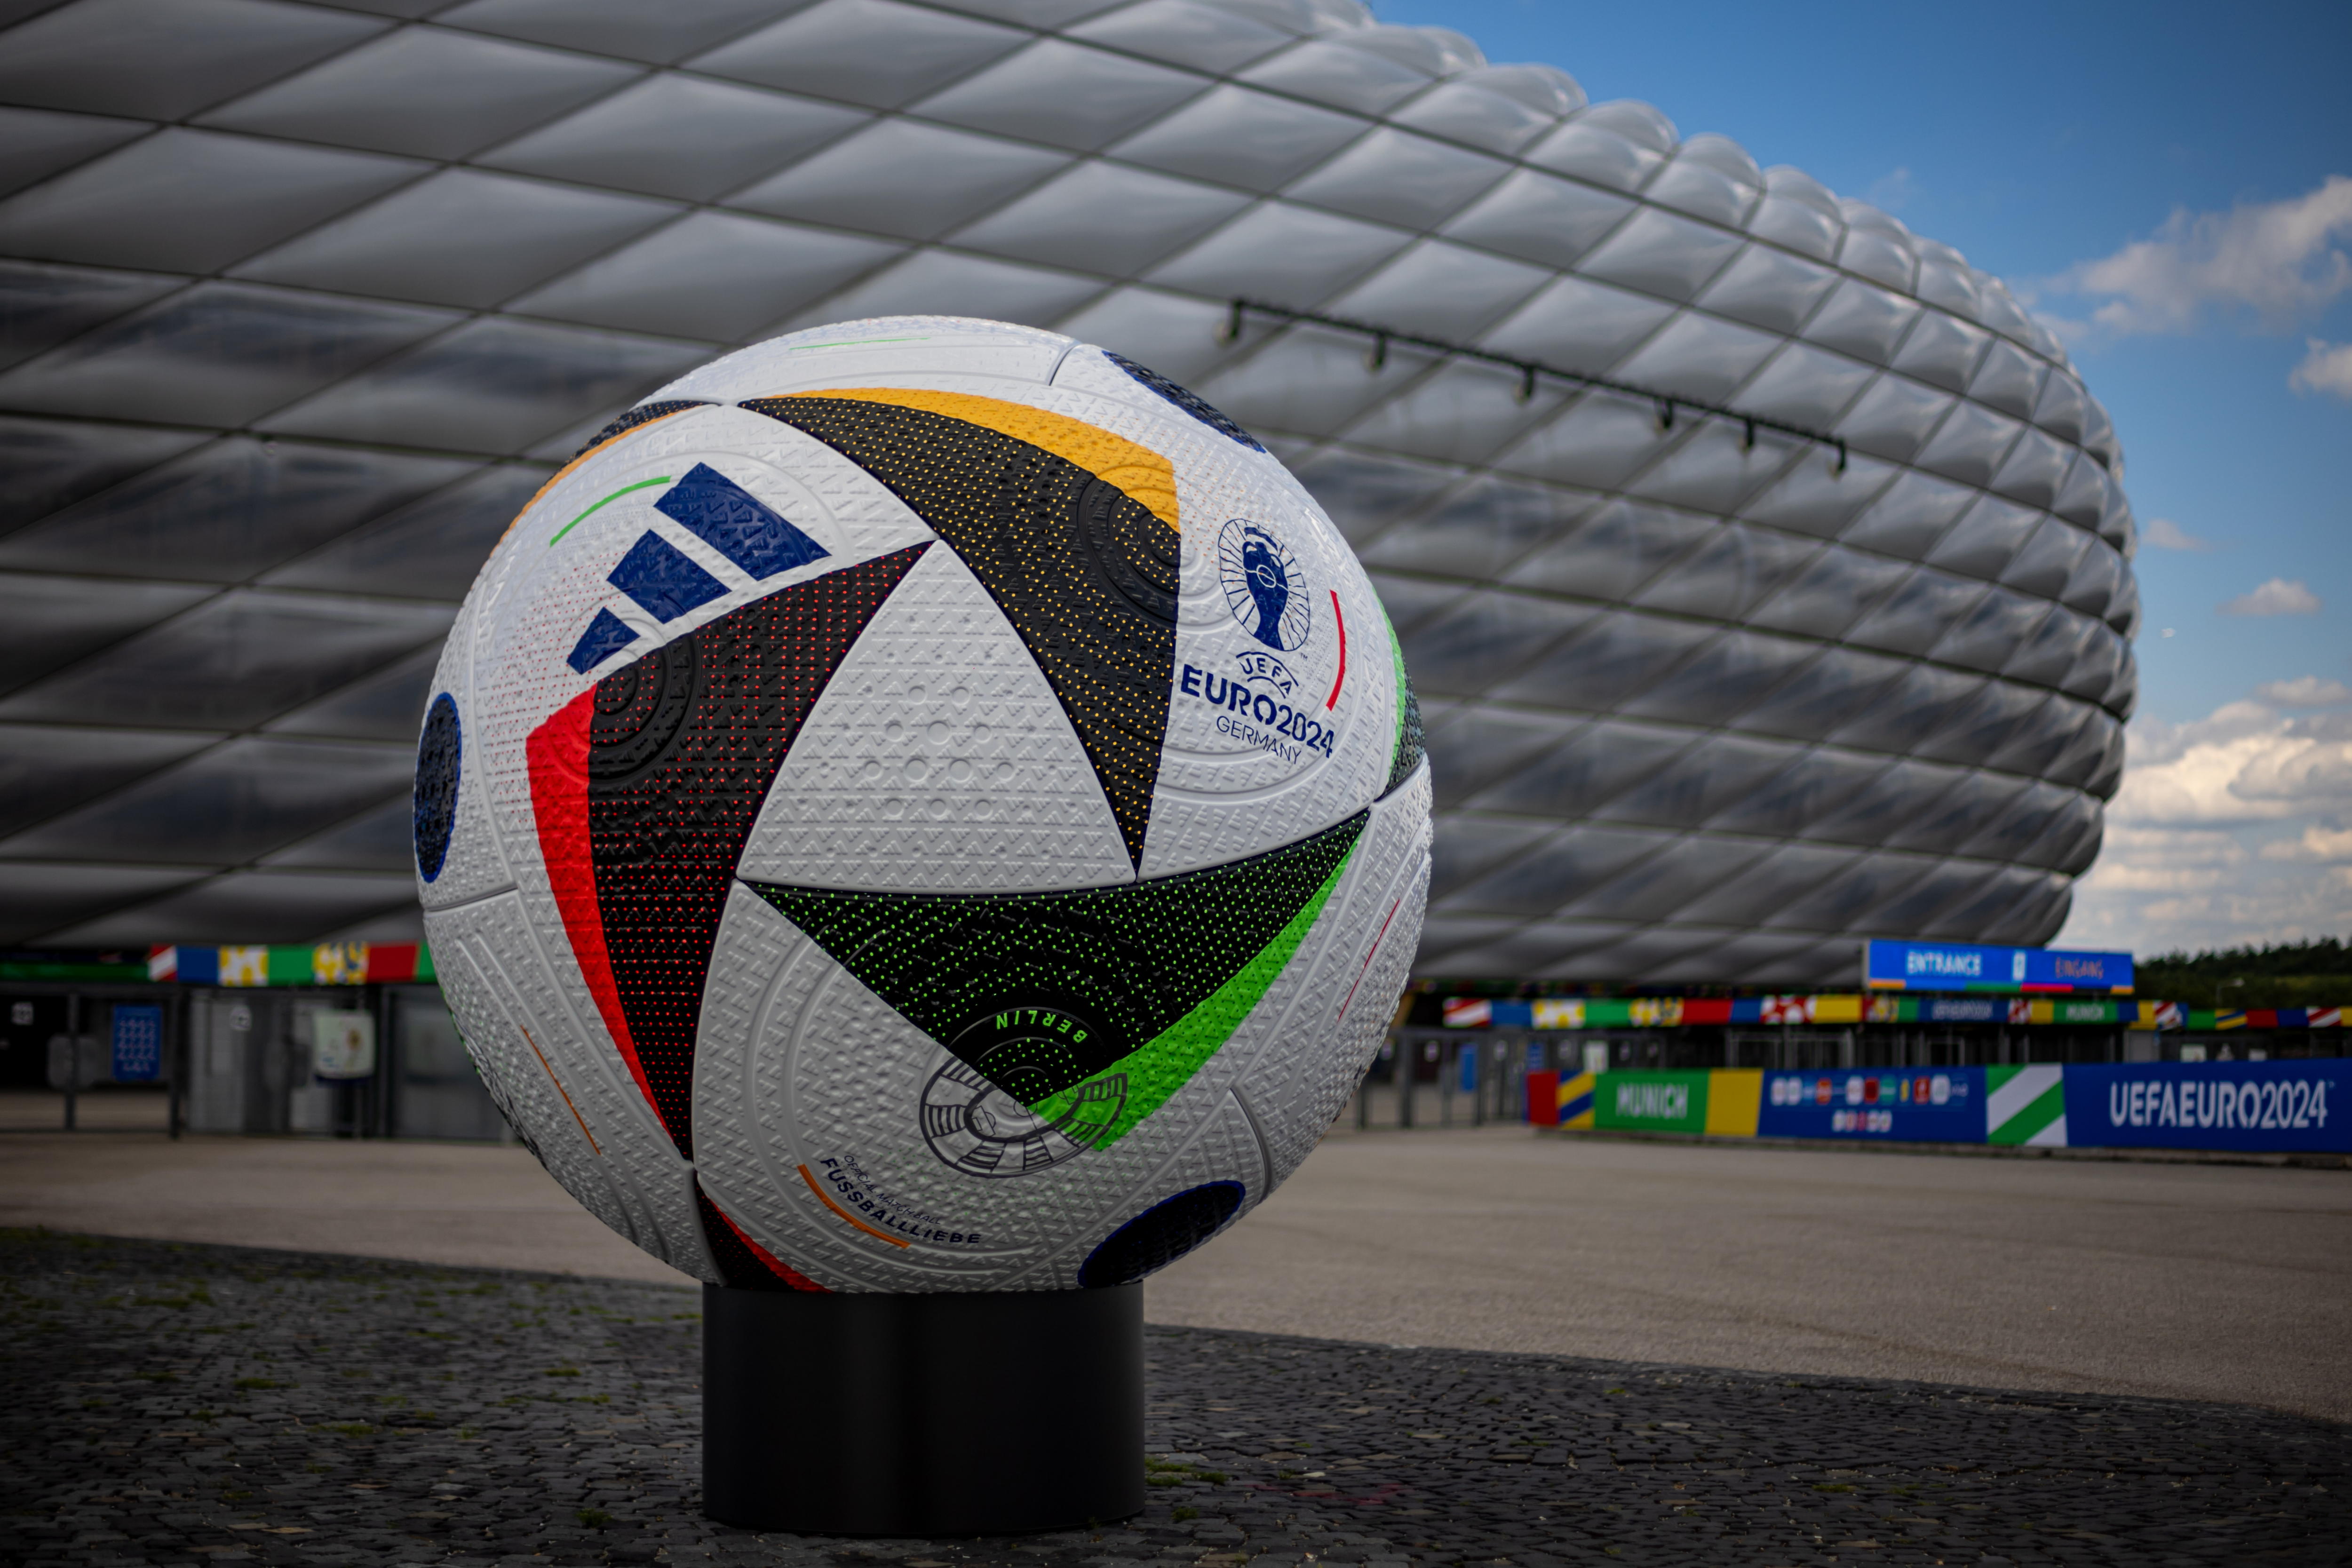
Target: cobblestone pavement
pixel 167 1404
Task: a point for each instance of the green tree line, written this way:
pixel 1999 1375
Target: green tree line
pixel 2284 974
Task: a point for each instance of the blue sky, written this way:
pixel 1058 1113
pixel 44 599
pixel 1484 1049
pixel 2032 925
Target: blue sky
pixel 2155 179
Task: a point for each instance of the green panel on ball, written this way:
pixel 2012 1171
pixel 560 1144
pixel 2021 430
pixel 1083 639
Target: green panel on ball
pixel 1052 996
pixel 1168 1061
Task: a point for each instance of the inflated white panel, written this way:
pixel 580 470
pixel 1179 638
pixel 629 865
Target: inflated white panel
pixel 939 760
pixel 1329 1012
pixel 1221 1144
pixel 560 1083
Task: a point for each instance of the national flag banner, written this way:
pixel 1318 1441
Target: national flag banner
pixel 1468 1012
pixel 1886 1009
pixel 163 964
pixel 339 964
pixel 2021 1011
pixel 2230 1018
pixel 1543 1099
pixel 1656 1012
pixel 2323 1018
pixel 389 962
pixel 1511 1014
pixel 1787 1010
pixel 1558 1012
pixel 1699 1010
pixel 2169 1015
pixel 1836 1009
pixel 1574 1110
pixel 243 966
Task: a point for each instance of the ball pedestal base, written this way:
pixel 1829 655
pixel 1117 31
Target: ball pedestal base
pixel 981 1414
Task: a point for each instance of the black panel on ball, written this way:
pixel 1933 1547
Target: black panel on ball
pixel 438 751
pixel 964 1414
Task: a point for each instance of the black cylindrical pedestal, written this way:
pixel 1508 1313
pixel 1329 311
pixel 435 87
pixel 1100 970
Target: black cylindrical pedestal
pixel 979 1414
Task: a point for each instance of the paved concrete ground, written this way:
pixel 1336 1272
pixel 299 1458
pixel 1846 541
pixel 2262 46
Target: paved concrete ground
pixel 482 1204
pixel 166 1404
pixel 39 1110
pixel 2212 1282
pixel 2199 1281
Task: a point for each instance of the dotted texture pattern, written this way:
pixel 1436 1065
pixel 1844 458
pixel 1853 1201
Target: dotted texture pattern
pixel 1136 963
pixel 1084 571
pixel 682 748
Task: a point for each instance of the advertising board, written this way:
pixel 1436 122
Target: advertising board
pixel 2285 1107
pixel 1965 966
pixel 1921 1105
pixel 1651 1102
pixel 138 1044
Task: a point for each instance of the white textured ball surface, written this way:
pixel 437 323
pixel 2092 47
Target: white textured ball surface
pixel 922 804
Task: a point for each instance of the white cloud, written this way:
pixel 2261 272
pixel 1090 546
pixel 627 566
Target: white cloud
pixel 2245 763
pixel 2282 261
pixel 1890 192
pixel 2327 367
pixel 2324 841
pixel 2279 596
pixel 2303 691
pixel 2167 534
pixel 2165 861
pixel 2228 830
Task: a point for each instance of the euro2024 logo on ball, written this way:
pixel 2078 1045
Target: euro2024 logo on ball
pixel 1263 587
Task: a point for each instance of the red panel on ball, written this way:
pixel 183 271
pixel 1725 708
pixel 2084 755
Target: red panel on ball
pixel 557 754
pixel 674 753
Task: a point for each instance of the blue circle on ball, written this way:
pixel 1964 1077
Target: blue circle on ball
pixel 436 785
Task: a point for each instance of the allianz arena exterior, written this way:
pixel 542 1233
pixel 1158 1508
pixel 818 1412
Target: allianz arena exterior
pixel 302 302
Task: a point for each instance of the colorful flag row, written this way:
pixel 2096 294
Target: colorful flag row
pixel 1678 1012
pixel 326 963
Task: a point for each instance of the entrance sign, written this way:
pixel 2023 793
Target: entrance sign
pixel 1966 966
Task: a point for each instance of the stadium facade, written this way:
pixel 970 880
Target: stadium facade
pixel 302 302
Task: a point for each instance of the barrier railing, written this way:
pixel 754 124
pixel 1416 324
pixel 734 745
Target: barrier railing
pixel 2275 1107
pixel 1424 1079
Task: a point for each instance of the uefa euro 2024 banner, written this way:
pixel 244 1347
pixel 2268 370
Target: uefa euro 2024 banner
pixel 2289 1107
pixel 2284 1107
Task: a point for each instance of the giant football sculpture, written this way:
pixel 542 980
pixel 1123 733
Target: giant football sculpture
pixel 922 807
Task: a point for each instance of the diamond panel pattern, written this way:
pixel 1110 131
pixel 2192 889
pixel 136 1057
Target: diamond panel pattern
pixel 1697 710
